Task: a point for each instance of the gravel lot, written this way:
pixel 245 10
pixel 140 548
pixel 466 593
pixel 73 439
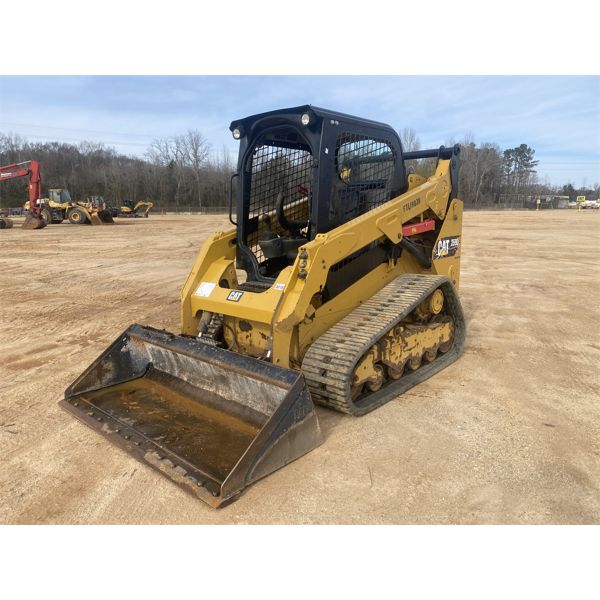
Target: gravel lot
pixel 510 433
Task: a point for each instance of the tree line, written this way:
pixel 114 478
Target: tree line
pixel 490 175
pixel 179 171
pixel 183 172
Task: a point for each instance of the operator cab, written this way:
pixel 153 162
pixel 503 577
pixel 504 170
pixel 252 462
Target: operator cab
pixel 60 196
pixel 304 171
pixel 97 201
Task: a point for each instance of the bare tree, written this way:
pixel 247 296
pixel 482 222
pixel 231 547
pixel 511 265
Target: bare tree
pixel 169 153
pixel 488 169
pixel 410 143
pixel 194 149
pixel 410 140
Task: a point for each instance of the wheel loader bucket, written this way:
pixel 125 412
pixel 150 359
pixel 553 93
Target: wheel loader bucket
pixel 33 222
pixel 105 216
pixel 211 420
pixel 102 217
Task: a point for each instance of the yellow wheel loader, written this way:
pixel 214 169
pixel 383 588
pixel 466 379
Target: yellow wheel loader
pixel 59 206
pixel 336 285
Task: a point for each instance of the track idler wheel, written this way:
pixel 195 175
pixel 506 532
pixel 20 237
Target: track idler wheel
pixel 373 385
pixel 429 355
pixel 414 363
pixel 395 372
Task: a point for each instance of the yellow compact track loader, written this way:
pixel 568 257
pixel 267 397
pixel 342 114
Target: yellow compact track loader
pixel 336 285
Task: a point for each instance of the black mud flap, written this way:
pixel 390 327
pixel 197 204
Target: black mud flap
pixel 211 420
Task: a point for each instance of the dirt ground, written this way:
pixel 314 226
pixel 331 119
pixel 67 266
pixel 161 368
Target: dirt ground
pixel 510 433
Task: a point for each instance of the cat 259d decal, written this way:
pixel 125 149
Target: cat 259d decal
pixel 449 246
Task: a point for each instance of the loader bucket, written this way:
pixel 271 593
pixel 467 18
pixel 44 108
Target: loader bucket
pixel 211 420
pixel 33 222
pixel 105 216
pixel 102 217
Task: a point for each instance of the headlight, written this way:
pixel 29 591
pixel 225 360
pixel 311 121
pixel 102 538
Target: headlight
pixel 305 119
pixel 237 134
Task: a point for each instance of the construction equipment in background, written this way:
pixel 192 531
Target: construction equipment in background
pixel 30 169
pixel 101 207
pixel 593 204
pixel 129 208
pixel 59 206
pixel 349 298
pixel 5 222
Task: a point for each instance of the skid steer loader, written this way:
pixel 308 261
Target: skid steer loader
pixel 336 285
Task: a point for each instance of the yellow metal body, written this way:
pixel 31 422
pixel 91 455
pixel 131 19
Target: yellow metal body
pixel 283 321
pixel 146 205
pixel 90 212
pixel 404 345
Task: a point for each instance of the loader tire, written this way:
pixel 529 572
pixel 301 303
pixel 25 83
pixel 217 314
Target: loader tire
pixel 77 217
pixel 330 362
pixel 46 214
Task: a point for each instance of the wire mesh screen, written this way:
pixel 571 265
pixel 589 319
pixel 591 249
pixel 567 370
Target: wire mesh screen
pixel 365 167
pixel 275 170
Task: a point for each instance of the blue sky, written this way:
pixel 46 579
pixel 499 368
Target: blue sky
pixel 558 116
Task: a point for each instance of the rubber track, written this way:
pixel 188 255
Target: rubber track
pixel 329 363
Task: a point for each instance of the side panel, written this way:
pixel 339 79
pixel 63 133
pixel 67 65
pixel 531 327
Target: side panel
pixel 447 248
pixel 220 246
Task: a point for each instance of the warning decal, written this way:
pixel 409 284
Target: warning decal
pixel 205 289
